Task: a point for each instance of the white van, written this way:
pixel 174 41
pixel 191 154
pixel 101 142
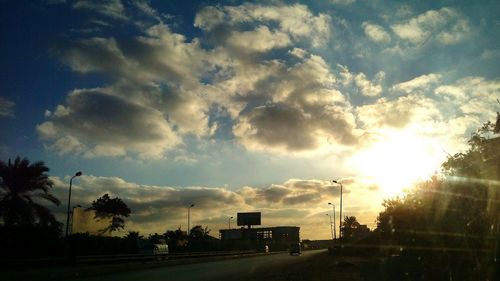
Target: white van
pixel 160 249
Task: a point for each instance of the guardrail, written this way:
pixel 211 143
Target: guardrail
pixel 146 257
pixel 109 259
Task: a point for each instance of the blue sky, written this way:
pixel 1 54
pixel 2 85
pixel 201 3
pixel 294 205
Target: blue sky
pixel 243 106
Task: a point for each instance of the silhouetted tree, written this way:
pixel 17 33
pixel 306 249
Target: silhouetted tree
pixel 156 238
pixel 133 235
pixel 453 216
pixel 21 184
pixel 199 233
pixel 177 240
pixel 113 209
pixel 349 226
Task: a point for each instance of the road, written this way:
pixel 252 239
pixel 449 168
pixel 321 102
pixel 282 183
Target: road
pixel 209 270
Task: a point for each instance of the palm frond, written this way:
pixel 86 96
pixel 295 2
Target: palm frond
pixel 49 197
pixel 21 182
pixel 43 214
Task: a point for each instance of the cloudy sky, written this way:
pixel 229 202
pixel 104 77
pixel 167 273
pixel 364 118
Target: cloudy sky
pixel 244 106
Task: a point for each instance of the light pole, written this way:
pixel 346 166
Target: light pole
pixel 334 221
pixel 77 174
pixel 331 229
pixel 229 222
pixel 340 221
pixel 189 217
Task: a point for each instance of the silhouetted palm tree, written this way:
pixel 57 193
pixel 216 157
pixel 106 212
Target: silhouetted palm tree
pixel 133 235
pixel 21 184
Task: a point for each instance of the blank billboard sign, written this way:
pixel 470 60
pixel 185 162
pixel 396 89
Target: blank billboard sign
pixel 252 218
pixel 85 221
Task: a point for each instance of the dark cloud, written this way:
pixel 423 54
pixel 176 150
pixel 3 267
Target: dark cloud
pixel 156 208
pixel 307 198
pixel 292 192
pixel 159 55
pixel 273 193
pixel 302 110
pixel 280 126
pixel 95 120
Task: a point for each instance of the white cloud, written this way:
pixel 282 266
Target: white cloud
pixel 473 95
pixel 7 107
pixel 110 8
pixel 490 54
pixel 295 20
pixel 423 82
pixel 376 32
pixel 343 2
pixel 259 40
pixel 447 113
pixel 446 26
pixel 366 87
pixel 398 113
pixel 298 52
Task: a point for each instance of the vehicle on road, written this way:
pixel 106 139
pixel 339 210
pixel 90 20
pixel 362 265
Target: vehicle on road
pixel 263 249
pixel 147 248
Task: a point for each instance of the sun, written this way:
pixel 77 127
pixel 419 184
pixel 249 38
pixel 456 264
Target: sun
pixel 398 159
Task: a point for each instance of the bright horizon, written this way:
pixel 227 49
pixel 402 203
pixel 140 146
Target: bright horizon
pixel 244 106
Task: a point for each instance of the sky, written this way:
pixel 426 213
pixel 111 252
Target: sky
pixel 244 106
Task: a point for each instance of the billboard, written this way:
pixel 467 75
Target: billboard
pixel 252 218
pixel 83 221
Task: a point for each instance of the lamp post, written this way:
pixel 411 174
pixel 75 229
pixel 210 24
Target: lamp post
pixel 331 229
pixel 334 221
pixel 77 174
pixel 340 221
pixel 189 217
pixel 229 222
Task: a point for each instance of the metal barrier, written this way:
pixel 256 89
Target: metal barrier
pixel 147 257
pixel 110 259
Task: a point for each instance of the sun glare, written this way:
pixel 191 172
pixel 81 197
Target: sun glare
pixel 399 159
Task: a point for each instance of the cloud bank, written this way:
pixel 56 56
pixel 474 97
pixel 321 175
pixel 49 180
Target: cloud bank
pixel 158 208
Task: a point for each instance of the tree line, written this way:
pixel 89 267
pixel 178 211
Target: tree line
pixel 445 228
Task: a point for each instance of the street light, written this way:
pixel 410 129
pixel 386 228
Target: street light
pixel 330 224
pixel 334 222
pixel 229 222
pixel 189 216
pixel 69 200
pixel 340 221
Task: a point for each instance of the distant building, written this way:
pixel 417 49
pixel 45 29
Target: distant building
pixel 84 221
pixel 277 238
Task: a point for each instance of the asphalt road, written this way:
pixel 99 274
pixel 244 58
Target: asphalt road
pixel 208 271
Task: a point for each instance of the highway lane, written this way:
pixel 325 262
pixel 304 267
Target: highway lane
pixel 208 270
